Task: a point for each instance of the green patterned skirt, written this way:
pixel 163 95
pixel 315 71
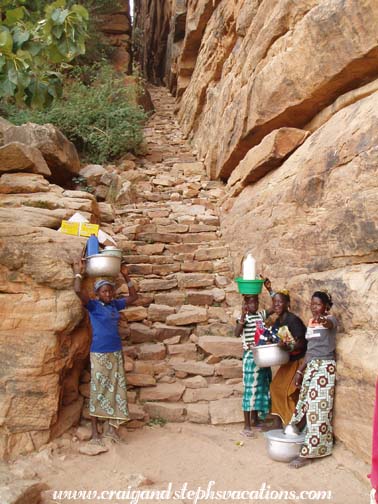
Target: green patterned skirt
pixel 256 381
pixel 316 404
pixel 108 398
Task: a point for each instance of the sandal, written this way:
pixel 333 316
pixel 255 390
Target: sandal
pixel 114 438
pixel 93 447
pixel 96 442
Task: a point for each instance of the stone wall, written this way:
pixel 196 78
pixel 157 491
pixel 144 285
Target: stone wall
pixel 116 26
pixel 280 100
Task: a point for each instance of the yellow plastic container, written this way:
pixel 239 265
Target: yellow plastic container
pixel 79 228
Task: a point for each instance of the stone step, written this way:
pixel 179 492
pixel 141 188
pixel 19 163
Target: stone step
pixel 181 358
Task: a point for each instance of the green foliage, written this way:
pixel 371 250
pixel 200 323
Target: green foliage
pixel 32 46
pixel 82 184
pixel 157 421
pixel 36 204
pixel 102 119
pixel 98 45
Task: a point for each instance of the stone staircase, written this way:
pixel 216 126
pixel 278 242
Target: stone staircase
pixel 181 359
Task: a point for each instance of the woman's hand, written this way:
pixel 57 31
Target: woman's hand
pixel 298 378
pixel 243 313
pixel 124 270
pixel 284 346
pixel 133 295
pixel 78 267
pixel 79 270
pixel 324 321
pixel 268 284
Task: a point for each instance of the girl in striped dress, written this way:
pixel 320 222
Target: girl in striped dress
pixel 256 381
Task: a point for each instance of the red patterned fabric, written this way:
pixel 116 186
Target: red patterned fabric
pixel 374 458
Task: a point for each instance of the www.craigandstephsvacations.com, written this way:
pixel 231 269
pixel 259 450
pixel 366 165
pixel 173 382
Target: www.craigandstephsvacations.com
pixel 193 495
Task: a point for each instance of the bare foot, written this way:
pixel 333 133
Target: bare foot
pixel 258 426
pixel 247 433
pixel 299 462
pixel 277 423
pixel 263 427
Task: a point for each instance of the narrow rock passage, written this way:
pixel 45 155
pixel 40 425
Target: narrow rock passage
pixel 183 364
pixel 181 361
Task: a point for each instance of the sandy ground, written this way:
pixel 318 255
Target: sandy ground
pixel 193 455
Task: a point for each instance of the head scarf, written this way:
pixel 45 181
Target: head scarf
pixel 285 293
pixel 101 283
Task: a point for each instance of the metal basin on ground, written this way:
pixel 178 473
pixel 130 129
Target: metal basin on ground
pixel 282 447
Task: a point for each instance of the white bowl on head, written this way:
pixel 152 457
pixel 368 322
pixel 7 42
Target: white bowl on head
pixel 110 250
pixel 283 447
pixel 102 265
pixel 270 355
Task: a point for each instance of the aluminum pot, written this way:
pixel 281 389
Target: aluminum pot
pixel 103 265
pixel 282 447
pixel 270 355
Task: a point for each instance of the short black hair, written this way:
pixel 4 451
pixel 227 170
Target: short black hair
pixel 325 297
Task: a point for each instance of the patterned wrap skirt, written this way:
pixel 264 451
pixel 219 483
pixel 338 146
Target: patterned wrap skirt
pixel 256 381
pixel 108 398
pixel 316 403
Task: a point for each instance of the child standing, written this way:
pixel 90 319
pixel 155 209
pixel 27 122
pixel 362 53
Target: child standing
pixel 108 400
pixel 256 381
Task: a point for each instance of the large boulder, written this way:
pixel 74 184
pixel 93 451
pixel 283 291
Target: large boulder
pixel 15 183
pixel 15 156
pixel 4 125
pixel 46 208
pixel 266 156
pixel 60 154
pixel 41 339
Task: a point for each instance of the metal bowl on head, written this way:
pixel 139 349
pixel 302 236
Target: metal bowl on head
pixel 102 265
pixel 282 447
pixel 270 355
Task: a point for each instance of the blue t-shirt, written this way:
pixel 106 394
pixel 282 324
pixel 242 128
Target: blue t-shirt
pixel 104 319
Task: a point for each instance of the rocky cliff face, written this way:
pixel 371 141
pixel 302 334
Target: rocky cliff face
pixel 41 339
pixel 116 26
pixel 280 99
pixel 151 29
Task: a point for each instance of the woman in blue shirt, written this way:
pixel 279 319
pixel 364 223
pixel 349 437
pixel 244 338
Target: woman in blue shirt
pixel 108 400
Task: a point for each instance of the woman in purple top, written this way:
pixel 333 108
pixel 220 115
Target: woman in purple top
pixel 108 400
